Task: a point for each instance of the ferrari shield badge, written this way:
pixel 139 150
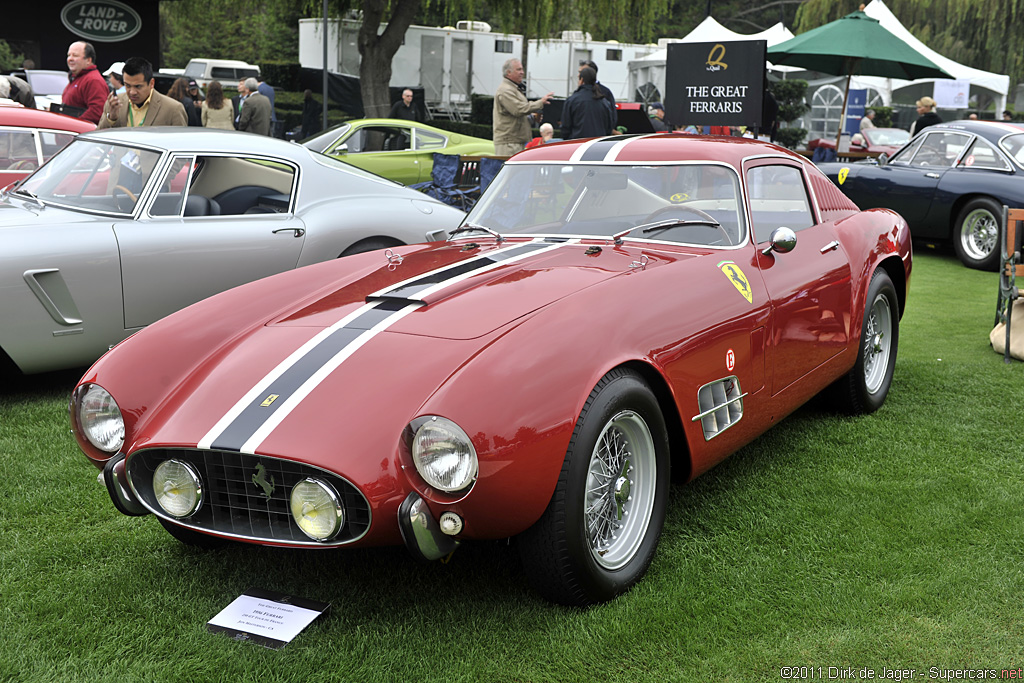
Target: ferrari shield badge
pixel 843 172
pixel 738 279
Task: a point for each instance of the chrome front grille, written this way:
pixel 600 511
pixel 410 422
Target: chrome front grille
pixel 235 502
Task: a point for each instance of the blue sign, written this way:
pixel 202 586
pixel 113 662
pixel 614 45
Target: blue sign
pixel 855 107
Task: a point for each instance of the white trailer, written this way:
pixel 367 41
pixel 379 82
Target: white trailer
pixel 554 64
pixel 448 63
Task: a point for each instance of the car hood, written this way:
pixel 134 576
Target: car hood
pixel 467 290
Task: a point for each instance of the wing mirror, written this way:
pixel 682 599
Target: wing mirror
pixel 883 159
pixel 783 241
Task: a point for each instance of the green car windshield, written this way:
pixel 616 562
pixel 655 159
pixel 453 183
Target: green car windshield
pixel 91 176
pixel 697 203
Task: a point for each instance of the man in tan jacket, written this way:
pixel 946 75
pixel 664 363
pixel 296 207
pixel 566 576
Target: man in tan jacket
pixel 141 105
pixel 511 109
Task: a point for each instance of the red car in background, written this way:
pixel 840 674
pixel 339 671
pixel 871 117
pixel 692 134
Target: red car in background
pixel 29 137
pixel 873 141
pixel 611 311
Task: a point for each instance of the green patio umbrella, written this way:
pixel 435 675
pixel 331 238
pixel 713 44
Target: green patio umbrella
pixel 855 45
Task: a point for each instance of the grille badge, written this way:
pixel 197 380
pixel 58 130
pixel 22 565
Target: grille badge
pixel 260 479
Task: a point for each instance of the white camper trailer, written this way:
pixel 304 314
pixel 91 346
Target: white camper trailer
pixel 449 63
pixel 554 64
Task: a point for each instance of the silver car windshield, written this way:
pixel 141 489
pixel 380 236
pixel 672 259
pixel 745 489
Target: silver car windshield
pixel 92 176
pixel 697 203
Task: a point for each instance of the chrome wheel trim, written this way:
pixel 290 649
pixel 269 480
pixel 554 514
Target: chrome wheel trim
pixel 620 487
pixel 877 343
pixel 979 234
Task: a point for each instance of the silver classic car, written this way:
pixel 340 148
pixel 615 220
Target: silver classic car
pixel 123 227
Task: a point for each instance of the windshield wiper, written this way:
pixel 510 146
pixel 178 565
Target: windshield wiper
pixel 664 225
pixel 31 195
pixel 472 227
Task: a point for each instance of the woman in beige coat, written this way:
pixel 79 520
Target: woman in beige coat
pixel 216 112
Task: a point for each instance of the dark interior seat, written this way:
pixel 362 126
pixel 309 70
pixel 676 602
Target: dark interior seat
pixel 239 199
pixel 198 205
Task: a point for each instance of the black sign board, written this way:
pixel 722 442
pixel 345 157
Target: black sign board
pixel 715 84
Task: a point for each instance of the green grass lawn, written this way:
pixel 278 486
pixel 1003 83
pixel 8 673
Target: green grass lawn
pixel 891 540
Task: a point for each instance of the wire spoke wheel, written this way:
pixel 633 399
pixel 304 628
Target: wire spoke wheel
pixel 620 490
pixel 877 343
pixel 979 234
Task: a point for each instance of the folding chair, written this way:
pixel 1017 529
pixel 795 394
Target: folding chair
pixel 1010 268
pixel 443 185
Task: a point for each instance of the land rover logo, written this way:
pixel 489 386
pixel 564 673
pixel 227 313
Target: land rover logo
pixel 103 21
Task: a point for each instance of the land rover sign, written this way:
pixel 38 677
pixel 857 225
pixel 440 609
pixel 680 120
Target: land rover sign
pixel 102 21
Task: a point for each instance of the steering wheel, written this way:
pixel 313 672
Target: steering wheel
pixel 122 193
pixel 666 212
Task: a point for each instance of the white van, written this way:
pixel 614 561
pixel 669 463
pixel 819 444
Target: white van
pixel 227 71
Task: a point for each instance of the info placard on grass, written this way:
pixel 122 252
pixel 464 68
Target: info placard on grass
pixel 265 617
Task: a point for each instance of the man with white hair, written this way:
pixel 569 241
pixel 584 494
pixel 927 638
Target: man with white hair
pixel 255 114
pixel 511 109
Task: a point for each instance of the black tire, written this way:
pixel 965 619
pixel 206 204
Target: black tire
pixel 864 388
pixel 193 538
pixel 977 234
pixel 566 560
pixel 370 244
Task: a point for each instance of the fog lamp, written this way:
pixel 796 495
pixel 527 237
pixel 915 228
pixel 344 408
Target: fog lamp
pixel 177 488
pixel 317 509
pixel 444 455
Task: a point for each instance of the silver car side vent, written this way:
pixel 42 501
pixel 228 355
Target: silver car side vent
pixel 720 404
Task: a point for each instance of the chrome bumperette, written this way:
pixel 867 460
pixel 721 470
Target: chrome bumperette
pixel 421 532
pixel 114 478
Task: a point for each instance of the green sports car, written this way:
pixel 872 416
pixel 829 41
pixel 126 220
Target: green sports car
pixel 394 148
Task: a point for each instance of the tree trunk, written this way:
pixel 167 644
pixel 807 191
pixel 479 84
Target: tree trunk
pixel 376 51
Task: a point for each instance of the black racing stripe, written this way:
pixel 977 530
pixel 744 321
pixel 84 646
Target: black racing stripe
pixel 255 414
pixel 410 289
pixel 599 150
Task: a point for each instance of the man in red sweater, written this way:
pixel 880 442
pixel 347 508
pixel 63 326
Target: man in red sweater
pixel 88 89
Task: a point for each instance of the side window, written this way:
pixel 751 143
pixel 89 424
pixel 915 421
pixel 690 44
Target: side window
pixel 428 140
pixel 53 142
pixel 983 155
pixel 222 73
pixel 233 186
pixel 778 198
pixel 939 149
pixel 171 192
pixel 379 139
pixel 18 150
pixel 904 156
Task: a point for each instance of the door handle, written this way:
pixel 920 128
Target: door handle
pixel 296 232
pixel 931 175
pixel 831 246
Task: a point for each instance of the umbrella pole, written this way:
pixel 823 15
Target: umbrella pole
pixel 842 113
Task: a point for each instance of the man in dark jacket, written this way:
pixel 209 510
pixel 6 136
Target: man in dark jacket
pixel 405 109
pixel 586 113
pixel 603 88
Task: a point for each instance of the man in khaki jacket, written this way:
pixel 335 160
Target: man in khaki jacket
pixel 141 105
pixel 511 108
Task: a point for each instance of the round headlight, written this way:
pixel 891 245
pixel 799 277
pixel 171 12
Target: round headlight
pixel 100 419
pixel 177 488
pixel 443 454
pixel 317 509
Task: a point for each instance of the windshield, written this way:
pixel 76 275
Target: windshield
pixel 1014 146
pixel 321 141
pixel 695 203
pixel 93 176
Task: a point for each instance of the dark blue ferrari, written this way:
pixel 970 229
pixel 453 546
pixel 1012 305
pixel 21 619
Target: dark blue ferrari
pixel 949 182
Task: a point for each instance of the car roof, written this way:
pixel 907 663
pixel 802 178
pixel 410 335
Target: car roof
pixel 24 117
pixel 202 140
pixel 658 147
pixel 991 130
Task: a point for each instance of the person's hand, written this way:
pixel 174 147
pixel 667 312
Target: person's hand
pixel 547 98
pixel 113 106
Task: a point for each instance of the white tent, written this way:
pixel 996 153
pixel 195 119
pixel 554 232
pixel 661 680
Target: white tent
pixel 651 69
pixel 994 86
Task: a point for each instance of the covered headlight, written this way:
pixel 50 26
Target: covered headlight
pixel 443 454
pixel 317 509
pixel 99 418
pixel 177 488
